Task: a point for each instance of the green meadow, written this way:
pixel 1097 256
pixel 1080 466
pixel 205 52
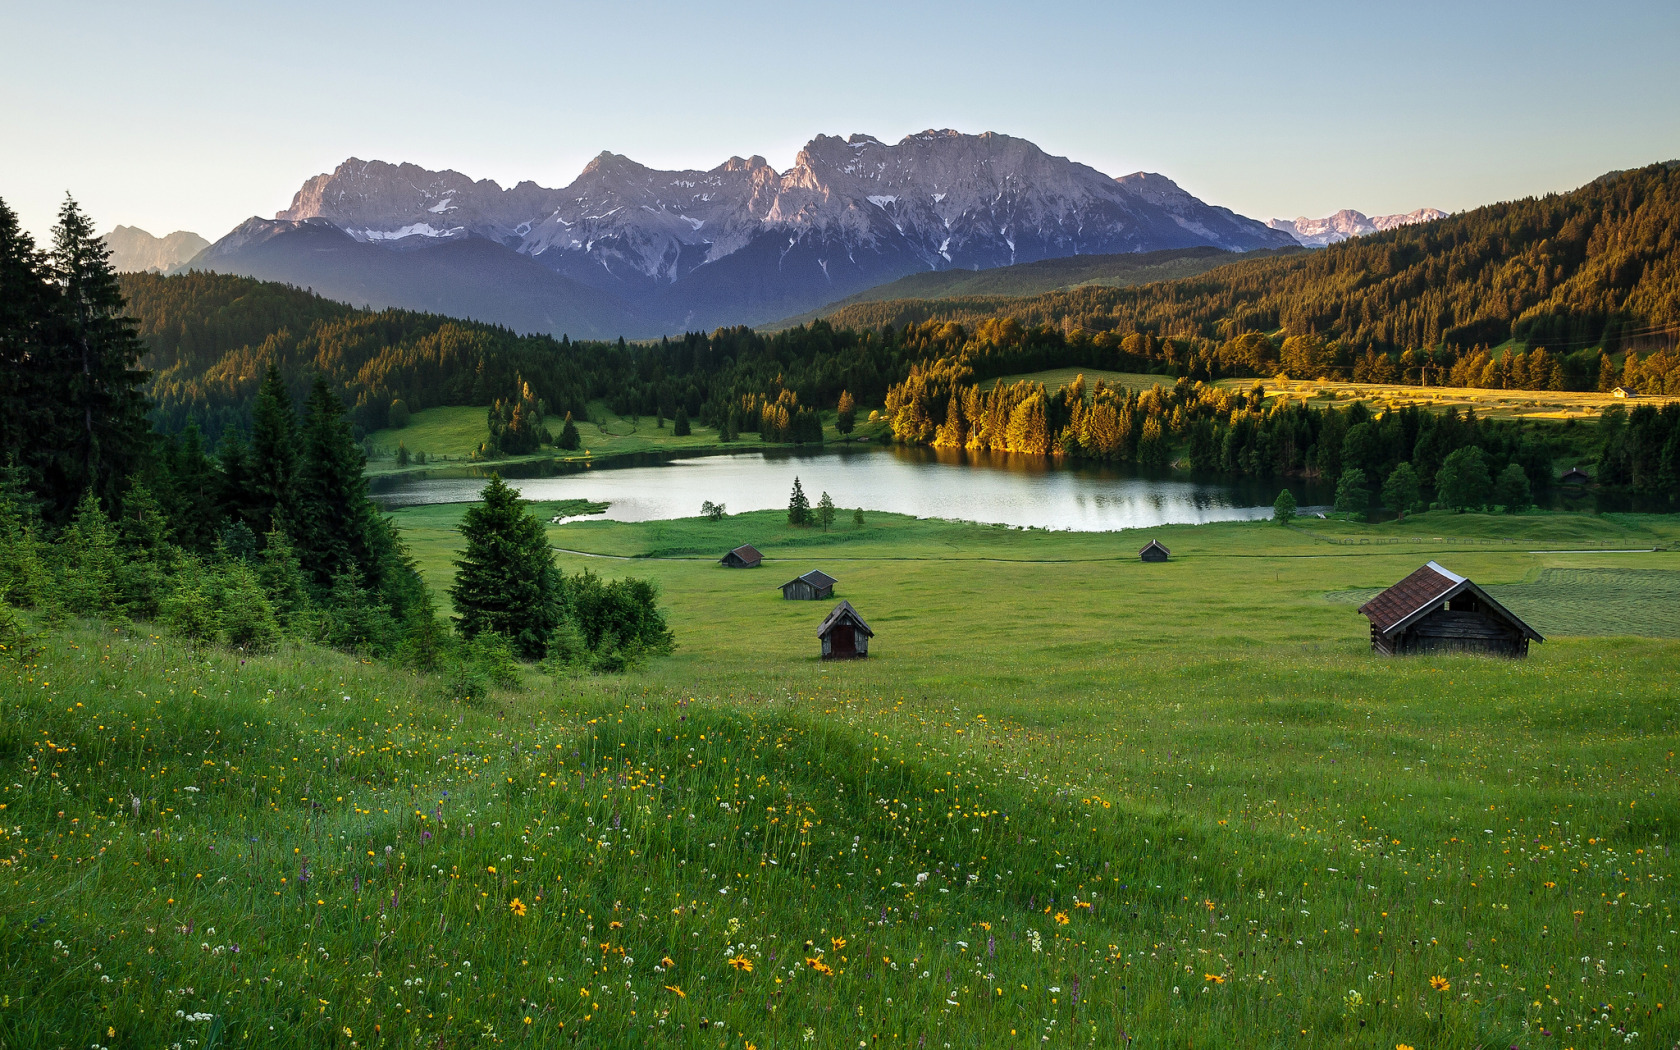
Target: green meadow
pixel 1070 799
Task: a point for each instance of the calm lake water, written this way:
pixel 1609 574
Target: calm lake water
pixel 1011 490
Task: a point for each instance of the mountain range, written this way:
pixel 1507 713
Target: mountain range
pixel 1318 233
pixel 133 250
pixel 630 250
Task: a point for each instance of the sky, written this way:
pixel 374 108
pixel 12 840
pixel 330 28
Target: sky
pixel 196 115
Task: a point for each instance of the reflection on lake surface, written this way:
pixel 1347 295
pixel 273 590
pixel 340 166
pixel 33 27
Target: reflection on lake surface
pixel 1013 490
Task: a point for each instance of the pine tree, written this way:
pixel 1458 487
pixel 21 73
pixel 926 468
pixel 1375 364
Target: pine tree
pixel 825 511
pixel 28 398
pixel 799 506
pixel 102 430
pixel 273 461
pixel 569 438
pixel 88 560
pixel 193 483
pixel 282 579
pixel 680 426
pixel 332 516
pixel 845 417
pixel 505 580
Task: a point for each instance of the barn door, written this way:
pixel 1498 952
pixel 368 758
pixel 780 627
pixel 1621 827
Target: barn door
pixel 843 640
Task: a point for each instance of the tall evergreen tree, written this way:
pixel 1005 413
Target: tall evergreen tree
pixel 799 505
pixel 332 515
pixel 27 302
pixel 273 461
pixel 102 430
pixel 505 580
pixel 194 484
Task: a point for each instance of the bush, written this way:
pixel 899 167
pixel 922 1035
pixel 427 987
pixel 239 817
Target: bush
pixel 221 604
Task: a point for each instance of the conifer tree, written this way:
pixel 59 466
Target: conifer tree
pixel 27 301
pixel 505 580
pixel 845 416
pixel 569 438
pixel 799 505
pixel 825 511
pixel 273 461
pixel 88 561
pixel 194 484
pixel 281 578
pixel 680 426
pixel 332 516
pixel 102 430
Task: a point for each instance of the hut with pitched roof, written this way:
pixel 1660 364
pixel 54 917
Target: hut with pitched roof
pixel 745 556
pixel 1435 610
pixel 815 585
pixel 844 635
pixel 1154 550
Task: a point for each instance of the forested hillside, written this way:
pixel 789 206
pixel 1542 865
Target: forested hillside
pixel 1596 267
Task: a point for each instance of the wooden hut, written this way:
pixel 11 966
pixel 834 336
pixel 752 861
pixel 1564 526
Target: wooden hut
pixel 1155 550
pixel 1437 611
pixel 844 635
pixel 811 587
pixel 745 556
pixel 1575 476
pixel 1622 391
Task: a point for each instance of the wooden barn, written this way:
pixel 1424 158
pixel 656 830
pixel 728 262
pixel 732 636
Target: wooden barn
pixel 844 634
pixel 1575 476
pixel 1438 611
pixel 1155 550
pixel 811 587
pixel 745 556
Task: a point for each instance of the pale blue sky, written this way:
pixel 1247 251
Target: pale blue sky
pixel 196 115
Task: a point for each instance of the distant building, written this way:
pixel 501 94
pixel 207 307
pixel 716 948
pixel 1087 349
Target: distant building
pixel 745 556
pixel 1622 391
pixel 1154 550
pixel 813 586
pixel 844 635
pixel 1575 476
pixel 1437 611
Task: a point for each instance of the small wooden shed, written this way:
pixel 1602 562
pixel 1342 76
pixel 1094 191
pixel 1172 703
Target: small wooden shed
pixel 1575 476
pixel 844 635
pixel 745 556
pixel 1622 391
pixel 1435 610
pixel 811 587
pixel 1155 550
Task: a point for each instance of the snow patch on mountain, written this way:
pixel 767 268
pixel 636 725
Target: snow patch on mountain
pixel 1317 233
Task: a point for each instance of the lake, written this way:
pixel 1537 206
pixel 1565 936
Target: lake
pixel 928 483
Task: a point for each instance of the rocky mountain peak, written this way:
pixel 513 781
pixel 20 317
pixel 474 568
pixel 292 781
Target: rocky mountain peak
pixel 1317 233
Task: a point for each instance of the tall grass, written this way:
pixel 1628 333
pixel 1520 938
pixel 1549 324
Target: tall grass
pixel 1032 837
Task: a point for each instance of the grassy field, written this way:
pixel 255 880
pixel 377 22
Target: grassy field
pixel 1069 799
pixel 1056 378
pixel 449 437
pixel 1526 404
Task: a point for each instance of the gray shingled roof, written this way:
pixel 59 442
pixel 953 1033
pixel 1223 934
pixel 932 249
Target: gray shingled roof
pixel 843 611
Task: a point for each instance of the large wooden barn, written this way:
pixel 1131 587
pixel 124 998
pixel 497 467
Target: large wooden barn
pixel 844 635
pixel 745 556
pixel 1435 610
pixel 815 585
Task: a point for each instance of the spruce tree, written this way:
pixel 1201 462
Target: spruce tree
pixel 102 430
pixel 799 505
pixel 825 511
pixel 680 426
pixel 569 438
pixel 28 401
pixel 194 483
pixel 273 462
pixel 505 580
pixel 332 517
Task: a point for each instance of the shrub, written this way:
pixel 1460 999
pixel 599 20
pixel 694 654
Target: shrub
pixel 1283 508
